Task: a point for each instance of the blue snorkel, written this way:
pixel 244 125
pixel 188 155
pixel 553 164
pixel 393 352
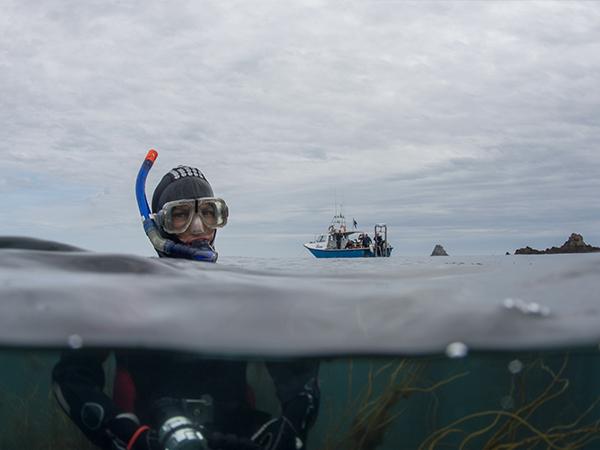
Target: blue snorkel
pixel 161 244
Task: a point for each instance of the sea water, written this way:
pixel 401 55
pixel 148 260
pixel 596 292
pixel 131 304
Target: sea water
pixel 415 352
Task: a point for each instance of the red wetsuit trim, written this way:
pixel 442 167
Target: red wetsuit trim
pixel 124 391
pixel 136 435
pixel 250 397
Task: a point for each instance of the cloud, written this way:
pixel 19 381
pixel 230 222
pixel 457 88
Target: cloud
pixel 446 117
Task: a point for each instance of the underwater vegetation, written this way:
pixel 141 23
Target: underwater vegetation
pixel 489 401
pixel 548 402
pixel 523 424
pixel 34 424
pixel 378 406
pixel 30 416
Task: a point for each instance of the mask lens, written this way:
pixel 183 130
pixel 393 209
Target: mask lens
pixel 178 217
pixel 214 213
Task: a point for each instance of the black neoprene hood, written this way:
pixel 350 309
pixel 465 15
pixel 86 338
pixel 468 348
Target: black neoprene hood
pixel 180 183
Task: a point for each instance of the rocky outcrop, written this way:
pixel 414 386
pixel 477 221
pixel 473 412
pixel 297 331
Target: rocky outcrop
pixel 528 251
pixel 575 244
pixel 438 250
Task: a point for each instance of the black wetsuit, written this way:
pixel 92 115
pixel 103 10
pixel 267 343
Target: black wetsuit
pixel 79 380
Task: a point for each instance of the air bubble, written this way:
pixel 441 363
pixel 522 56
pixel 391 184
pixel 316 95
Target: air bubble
pixel 515 366
pixel 507 402
pixel 75 341
pixel 508 303
pixel 528 308
pixel 456 350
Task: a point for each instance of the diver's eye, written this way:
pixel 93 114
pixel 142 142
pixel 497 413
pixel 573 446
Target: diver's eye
pixel 207 212
pixel 180 215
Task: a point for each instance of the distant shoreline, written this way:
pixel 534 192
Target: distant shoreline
pixel 575 244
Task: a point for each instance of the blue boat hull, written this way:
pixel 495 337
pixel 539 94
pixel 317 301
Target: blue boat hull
pixel 344 253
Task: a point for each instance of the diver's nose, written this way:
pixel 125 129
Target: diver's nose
pixel 197 227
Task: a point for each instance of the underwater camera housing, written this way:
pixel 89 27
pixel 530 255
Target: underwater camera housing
pixel 179 433
pixel 187 424
pixel 184 424
pixel 181 422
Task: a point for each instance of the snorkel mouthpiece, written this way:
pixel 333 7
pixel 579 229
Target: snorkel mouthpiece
pixel 162 245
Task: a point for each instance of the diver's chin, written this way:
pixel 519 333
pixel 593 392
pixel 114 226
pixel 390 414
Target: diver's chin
pixel 200 243
pixel 191 239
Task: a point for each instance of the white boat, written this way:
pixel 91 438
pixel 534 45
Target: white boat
pixel 339 242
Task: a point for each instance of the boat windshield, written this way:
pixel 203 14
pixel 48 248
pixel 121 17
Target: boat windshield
pixel 320 238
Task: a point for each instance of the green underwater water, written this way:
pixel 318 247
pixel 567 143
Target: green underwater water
pixel 500 400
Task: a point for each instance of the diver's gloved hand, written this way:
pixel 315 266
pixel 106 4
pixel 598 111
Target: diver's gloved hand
pixel 278 434
pixel 127 432
pixel 289 431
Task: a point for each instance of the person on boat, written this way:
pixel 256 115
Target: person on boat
pixel 366 240
pixel 381 245
pixel 151 391
pixel 338 239
pixel 378 244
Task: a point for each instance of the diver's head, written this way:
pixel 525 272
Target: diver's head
pixel 185 208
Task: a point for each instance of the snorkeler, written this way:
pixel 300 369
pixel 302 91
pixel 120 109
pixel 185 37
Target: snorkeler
pixel 182 401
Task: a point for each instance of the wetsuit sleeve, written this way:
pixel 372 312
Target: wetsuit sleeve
pixel 78 383
pixel 297 389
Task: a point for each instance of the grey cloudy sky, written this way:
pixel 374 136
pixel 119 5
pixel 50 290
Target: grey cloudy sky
pixel 471 124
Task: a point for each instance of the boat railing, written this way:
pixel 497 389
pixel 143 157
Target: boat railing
pixel 380 230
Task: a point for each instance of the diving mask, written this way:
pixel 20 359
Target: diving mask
pixel 176 217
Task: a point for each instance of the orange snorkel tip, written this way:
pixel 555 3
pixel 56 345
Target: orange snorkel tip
pixel 151 155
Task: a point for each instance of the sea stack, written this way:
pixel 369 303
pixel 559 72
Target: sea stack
pixel 438 250
pixel 575 244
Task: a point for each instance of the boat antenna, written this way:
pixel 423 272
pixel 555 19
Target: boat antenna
pixel 335 213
